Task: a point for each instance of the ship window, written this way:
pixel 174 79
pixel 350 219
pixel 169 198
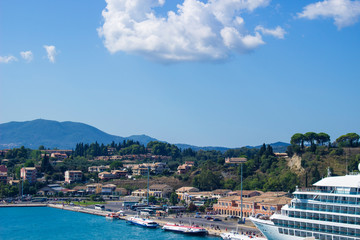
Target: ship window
pixel 291 232
pixel 280 230
pixel 297 233
pixel 286 231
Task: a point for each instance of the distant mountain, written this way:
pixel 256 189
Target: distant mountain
pixel 277 147
pixel 53 134
pixel 65 135
pixel 195 148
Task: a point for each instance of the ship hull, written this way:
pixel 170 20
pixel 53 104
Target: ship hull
pixel 271 232
pixel 185 230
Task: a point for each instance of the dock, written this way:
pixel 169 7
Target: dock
pixel 80 209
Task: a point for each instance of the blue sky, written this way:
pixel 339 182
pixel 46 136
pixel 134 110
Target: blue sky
pixel 220 73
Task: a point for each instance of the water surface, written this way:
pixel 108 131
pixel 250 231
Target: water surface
pixel 38 223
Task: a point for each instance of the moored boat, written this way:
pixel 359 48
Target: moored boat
pixel 142 222
pixel 234 235
pixel 186 229
pixel 112 216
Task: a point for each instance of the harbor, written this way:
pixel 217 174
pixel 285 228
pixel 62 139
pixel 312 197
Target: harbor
pixel 226 227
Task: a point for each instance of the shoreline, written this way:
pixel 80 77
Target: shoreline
pixel 211 232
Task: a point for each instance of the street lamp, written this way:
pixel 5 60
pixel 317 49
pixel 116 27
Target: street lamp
pixel 241 221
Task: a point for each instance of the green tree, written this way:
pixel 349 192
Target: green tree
pixel 322 138
pixel 29 163
pixel 174 198
pixel 348 140
pixel 298 139
pixel 192 207
pixel 310 137
pixel 116 165
pixel 207 180
pixel 46 167
pixel 152 199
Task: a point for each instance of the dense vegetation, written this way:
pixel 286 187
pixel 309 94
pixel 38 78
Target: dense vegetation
pixel 262 171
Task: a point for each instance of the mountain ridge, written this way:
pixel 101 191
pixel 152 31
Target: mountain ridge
pixel 65 135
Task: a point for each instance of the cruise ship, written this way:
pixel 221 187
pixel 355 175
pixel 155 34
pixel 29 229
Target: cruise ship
pixel 329 211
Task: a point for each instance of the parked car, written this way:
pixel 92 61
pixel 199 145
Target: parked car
pixel 197 216
pixel 208 218
pixel 217 220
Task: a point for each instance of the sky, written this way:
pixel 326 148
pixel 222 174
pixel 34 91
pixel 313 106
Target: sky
pixel 208 73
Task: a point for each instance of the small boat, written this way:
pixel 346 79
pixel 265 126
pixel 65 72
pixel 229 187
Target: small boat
pixel 142 222
pixel 234 235
pixel 121 213
pixel 112 216
pixel 186 229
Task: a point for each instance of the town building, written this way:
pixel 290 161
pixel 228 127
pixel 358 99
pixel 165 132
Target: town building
pixel 72 176
pixel 219 193
pixel 266 204
pixel 3 169
pixel 28 174
pixel 3 177
pixel 98 168
pixel 3 174
pixel 197 196
pixel 139 193
pixel 119 173
pixel 46 191
pixel 160 190
pixel 120 192
pixel 59 156
pixel 185 168
pixel 106 176
pixel 185 190
pixel 234 161
pixel 114 174
pixel 108 189
pixel 245 193
pixel 93 188
pixel 139 170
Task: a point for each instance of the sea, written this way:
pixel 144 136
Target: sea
pixel 45 223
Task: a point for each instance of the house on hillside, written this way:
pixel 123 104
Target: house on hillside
pixel 29 174
pixel 185 190
pixel 219 193
pixel 160 190
pixel 72 176
pixel 234 161
pixel 47 191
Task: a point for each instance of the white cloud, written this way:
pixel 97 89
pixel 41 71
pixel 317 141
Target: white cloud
pixel 344 12
pixel 27 55
pixel 278 32
pixel 198 30
pixel 7 59
pixel 51 52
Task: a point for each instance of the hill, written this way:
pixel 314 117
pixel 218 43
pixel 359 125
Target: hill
pixel 53 134
pixel 65 135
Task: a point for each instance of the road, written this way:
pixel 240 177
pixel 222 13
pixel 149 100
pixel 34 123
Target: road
pixel 230 224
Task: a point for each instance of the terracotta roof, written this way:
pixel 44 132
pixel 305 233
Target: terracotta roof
pixel 221 191
pixel 187 189
pixel 159 186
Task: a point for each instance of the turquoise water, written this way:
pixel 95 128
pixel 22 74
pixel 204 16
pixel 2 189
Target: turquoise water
pixel 37 223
